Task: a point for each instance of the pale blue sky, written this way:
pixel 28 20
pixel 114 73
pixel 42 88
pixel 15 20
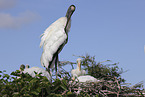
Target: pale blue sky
pixel 107 29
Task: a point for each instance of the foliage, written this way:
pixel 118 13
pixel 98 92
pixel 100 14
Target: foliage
pixel 25 85
pixel 99 70
pixel 111 83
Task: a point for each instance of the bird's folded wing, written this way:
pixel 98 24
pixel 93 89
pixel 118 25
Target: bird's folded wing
pixel 49 32
pixel 53 37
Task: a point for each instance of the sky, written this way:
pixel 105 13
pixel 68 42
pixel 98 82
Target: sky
pixel 107 29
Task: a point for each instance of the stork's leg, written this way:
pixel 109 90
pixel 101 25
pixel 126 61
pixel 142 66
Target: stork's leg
pixel 56 64
pixel 48 69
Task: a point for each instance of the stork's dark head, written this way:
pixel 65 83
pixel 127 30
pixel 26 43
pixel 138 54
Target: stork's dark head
pixel 70 11
pixel 22 67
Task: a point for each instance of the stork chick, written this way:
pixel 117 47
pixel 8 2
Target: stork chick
pixel 78 72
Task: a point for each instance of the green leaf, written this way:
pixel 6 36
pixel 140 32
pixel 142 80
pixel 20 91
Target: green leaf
pixel 4 70
pixel 64 82
pixel 15 93
pixel 63 86
pixel 6 76
pixel 35 93
pixel 56 87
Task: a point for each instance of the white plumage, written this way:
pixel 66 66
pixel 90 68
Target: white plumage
pixel 87 78
pixel 31 72
pixel 83 80
pixel 78 72
pixel 51 39
pixel 79 75
pixel 54 38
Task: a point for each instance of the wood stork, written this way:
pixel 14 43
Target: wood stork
pixel 22 67
pixel 78 72
pixel 80 75
pixel 87 78
pixel 54 38
pixel 31 72
pixel 84 80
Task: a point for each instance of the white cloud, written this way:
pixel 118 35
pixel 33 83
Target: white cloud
pixel 9 21
pixel 6 4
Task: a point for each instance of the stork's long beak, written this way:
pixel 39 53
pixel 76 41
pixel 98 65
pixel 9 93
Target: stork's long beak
pixel 79 66
pixel 69 13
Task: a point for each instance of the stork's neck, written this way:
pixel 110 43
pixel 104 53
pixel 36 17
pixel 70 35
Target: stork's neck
pixel 67 26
